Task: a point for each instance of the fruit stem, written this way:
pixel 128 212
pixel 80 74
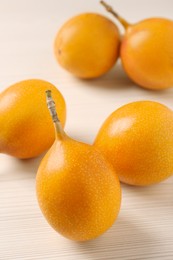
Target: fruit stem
pixel 115 14
pixel 59 132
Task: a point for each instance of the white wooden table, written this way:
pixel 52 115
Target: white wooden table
pixel 144 229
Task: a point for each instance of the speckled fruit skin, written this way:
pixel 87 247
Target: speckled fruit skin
pixel 138 140
pixel 78 190
pixel 87 45
pixel 147 53
pixel 26 127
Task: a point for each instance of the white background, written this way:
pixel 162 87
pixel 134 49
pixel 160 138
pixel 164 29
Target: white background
pixel 144 229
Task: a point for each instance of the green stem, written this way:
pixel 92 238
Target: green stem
pixel 59 132
pixel 115 14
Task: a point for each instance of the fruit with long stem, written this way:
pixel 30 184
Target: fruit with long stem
pixel 146 51
pixel 77 189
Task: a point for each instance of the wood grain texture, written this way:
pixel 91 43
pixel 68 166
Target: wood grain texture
pixel 144 229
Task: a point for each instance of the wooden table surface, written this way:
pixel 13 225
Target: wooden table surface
pixel 144 229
